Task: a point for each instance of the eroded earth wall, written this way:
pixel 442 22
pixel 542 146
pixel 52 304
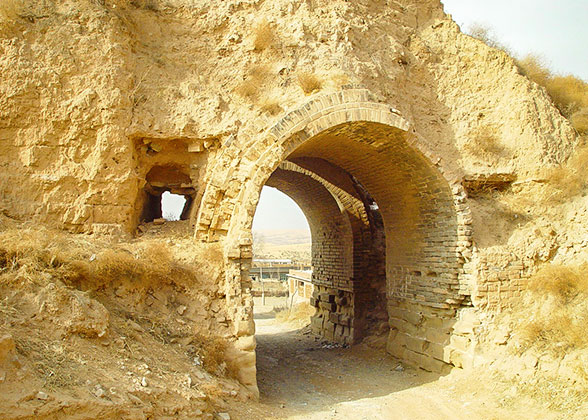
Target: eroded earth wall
pixel 105 105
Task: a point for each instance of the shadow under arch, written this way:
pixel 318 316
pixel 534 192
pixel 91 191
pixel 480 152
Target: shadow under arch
pixel 425 217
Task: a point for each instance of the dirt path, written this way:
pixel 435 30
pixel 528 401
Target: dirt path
pixel 301 377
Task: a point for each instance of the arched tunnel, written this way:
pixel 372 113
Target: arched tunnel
pixel 391 229
pixel 367 257
pixel 348 248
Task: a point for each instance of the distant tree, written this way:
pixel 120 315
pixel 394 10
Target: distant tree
pixel 486 34
pixel 259 244
pixel 171 216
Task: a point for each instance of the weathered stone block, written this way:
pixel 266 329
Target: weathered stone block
pixel 460 343
pixel 329 335
pixel 316 324
pixel 435 350
pixel 329 326
pixel 394 348
pixel 345 320
pixel 245 328
pixel 436 336
pixel 327 297
pixel 331 307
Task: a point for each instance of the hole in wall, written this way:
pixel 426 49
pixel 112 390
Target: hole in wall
pixel 172 206
pixel 168 194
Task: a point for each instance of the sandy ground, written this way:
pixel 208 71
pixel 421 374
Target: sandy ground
pixel 301 377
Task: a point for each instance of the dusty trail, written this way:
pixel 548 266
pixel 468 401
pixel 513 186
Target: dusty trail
pixel 300 377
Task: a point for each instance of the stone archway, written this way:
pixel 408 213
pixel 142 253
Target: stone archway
pixel 425 217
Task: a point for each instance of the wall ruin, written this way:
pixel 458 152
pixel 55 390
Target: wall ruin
pixel 121 104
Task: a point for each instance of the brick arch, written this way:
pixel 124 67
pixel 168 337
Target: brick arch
pixel 347 246
pixel 426 218
pixel 330 227
pixel 251 161
pixel 355 205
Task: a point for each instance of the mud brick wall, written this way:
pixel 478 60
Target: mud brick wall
pixel 334 317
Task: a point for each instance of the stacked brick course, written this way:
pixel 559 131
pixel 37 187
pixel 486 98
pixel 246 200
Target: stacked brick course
pixel 334 318
pixel 423 207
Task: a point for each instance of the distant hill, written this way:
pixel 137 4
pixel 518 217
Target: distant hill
pixel 282 237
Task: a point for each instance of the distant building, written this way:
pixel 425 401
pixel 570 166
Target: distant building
pixel 273 269
pixel 300 284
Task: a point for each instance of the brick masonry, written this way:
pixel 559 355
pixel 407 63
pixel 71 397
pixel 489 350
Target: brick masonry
pixel 365 146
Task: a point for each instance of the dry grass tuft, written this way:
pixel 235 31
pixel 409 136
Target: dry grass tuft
pixel 256 78
pixel 556 311
pixel 580 121
pixel 484 142
pixel 10 10
pixel 248 89
pixel 562 282
pixel 211 352
pixel 264 36
pixel 39 254
pixel 534 67
pixel 309 83
pixel 299 314
pixel 270 104
pixel 569 180
pixel 569 94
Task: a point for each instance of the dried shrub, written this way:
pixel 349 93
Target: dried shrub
pixel 569 94
pixel 309 83
pixel 269 104
pixel 562 282
pixel 10 10
pixel 580 121
pixel 263 36
pixel 256 78
pixel 533 66
pixel 35 249
pixel 484 142
pixel 115 264
pixel 556 310
pixel 569 180
pixel 485 34
pixel 211 353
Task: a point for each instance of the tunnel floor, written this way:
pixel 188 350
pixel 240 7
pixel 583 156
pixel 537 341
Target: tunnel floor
pixel 301 373
pixel 301 376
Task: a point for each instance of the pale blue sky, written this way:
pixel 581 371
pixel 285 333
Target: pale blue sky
pixel 172 205
pixel 277 211
pixel 555 30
